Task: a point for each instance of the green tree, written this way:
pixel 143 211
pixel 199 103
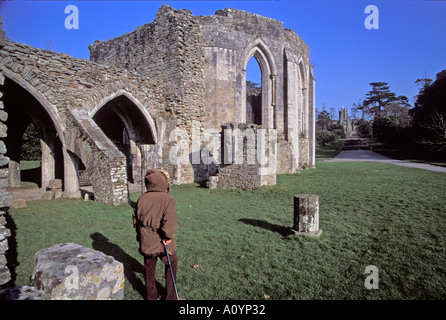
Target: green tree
pixel 386 128
pixel 323 120
pixel 379 98
pixel 30 148
pixel 363 127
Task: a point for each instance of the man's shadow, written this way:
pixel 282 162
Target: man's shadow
pixel 132 267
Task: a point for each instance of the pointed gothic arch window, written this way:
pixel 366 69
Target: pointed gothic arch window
pixel 261 53
pixel 253 92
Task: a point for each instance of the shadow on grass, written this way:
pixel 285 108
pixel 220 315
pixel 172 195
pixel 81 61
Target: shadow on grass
pixel 132 267
pixel 283 231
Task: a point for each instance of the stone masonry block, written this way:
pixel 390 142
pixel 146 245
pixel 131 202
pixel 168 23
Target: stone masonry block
pixel 306 215
pixel 69 271
pixel 5 199
pixel 55 184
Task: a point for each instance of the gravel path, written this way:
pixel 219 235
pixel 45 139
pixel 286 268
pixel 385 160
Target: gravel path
pixel 370 156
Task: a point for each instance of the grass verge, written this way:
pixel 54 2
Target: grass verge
pixel 329 151
pixel 240 244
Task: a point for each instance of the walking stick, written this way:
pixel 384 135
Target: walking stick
pixel 171 272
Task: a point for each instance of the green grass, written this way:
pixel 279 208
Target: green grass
pixel 371 214
pixel 27 165
pixel 329 151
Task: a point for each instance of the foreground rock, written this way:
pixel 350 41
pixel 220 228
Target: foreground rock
pixel 71 272
pixel 22 293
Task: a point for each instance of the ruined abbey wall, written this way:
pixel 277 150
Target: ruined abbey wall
pixel 116 115
pixel 69 90
pixel 201 63
pixel 169 51
pixel 232 37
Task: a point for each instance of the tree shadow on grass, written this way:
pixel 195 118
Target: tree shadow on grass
pixel 132 267
pixel 283 231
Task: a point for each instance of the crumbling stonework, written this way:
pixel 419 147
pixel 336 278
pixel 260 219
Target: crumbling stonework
pixel 69 91
pixel 114 116
pixel 5 197
pixel 227 41
pixel 249 157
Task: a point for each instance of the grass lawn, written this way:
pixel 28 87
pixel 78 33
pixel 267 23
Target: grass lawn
pixel 389 216
pixel 409 152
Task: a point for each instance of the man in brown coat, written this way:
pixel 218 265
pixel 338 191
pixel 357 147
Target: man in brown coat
pixel 155 219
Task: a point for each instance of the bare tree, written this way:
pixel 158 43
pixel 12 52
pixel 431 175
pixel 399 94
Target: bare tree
pixel 435 129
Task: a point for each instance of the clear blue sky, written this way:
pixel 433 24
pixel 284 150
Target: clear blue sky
pixel 409 44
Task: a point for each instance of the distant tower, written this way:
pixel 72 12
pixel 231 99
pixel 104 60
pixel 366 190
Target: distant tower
pixel 344 121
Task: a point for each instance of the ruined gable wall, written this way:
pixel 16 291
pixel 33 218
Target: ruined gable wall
pixel 228 33
pixel 170 51
pixel 197 63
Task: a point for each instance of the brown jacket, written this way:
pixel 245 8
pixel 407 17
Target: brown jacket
pixel 155 217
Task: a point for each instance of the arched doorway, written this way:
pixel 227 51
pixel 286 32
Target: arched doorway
pixel 23 110
pixel 128 127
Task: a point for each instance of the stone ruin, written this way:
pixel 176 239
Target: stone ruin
pixel 5 197
pixel 107 120
pixel 144 98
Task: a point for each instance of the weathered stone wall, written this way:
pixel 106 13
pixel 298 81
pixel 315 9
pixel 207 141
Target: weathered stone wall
pixel 248 157
pixel 304 156
pixel 229 33
pixel 200 62
pixel 181 71
pixel 71 90
pixel 232 38
pixel 286 162
pixel 169 51
pixel 5 197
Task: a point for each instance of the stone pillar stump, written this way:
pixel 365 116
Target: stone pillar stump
pixel 306 215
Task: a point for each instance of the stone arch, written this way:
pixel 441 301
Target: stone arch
pixel 146 115
pixel 260 51
pixel 302 89
pixel 129 126
pixel 56 162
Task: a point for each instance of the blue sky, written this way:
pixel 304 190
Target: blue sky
pixel 409 44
